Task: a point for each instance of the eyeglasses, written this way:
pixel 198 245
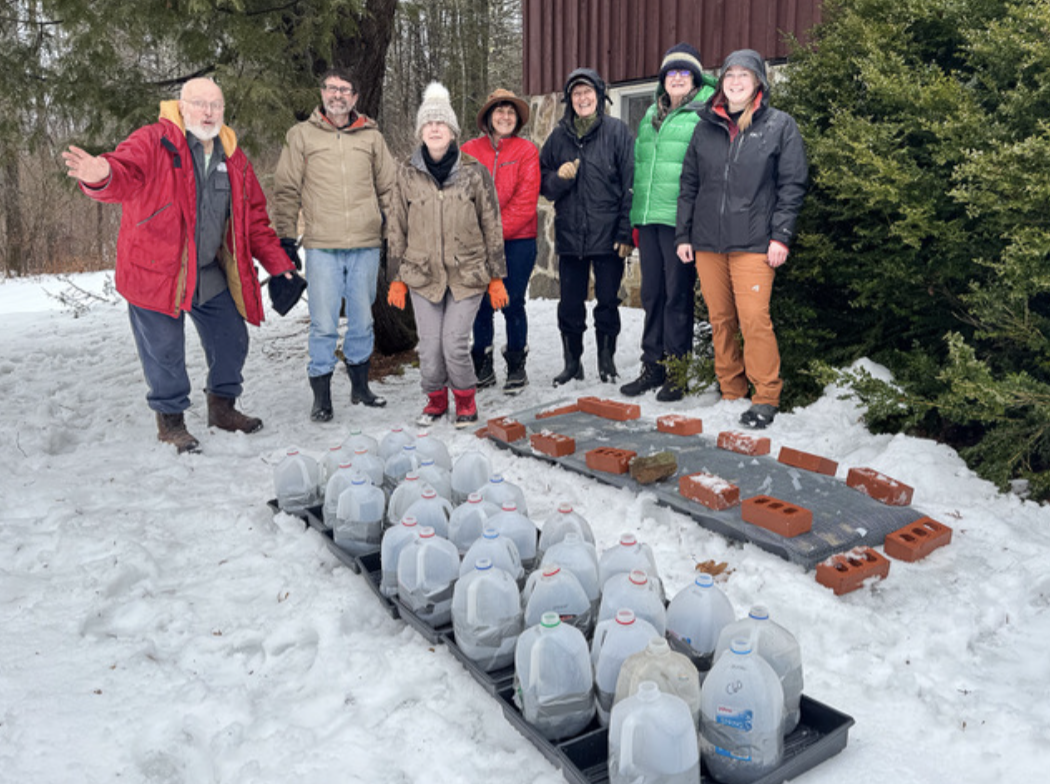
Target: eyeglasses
pixel 201 106
pixel 682 73
pixel 338 90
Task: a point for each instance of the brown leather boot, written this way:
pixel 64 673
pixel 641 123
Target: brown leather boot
pixel 171 429
pixel 223 415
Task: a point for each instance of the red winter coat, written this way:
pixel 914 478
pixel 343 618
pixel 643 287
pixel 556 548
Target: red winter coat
pixel 152 179
pixel 515 167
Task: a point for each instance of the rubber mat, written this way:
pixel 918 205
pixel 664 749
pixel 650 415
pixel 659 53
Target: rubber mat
pixel 843 518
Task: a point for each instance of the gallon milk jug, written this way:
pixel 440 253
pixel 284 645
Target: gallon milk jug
pixel 633 590
pixel 695 617
pixel 513 524
pixel 392 441
pixel 468 520
pixel 625 555
pixel 672 672
pixel 580 558
pixel 427 571
pixel 498 490
pixel 553 589
pixel 470 472
pixel 486 615
pixel 408 491
pixel 652 740
pixel 615 640
pixel 358 440
pixel 563 521
pixel 431 446
pixel 437 477
pixel 394 541
pixel 337 483
pixel 432 510
pixel 368 464
pixel 332 459
pixel 358 525
pixel 398 465
pixel 552 678
pixel 741 716
pixel 500 550
pixel 779 648
pixel 296 481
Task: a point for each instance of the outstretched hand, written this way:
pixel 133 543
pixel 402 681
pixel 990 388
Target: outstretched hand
pixel 83 166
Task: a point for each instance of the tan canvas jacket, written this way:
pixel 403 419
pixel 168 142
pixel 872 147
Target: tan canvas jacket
pixel 341 179
pixel 445 238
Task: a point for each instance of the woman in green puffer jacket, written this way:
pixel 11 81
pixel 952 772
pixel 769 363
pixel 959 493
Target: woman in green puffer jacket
pixel 667 284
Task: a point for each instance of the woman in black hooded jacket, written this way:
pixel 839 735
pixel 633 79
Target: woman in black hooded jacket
pixel 587 168
pixel 742 185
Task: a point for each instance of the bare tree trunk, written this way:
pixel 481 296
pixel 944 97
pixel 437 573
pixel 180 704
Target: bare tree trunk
pixel 15 261
pixel 365 55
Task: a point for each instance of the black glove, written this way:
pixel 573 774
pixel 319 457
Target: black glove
pixel 284 293
pixel 291 247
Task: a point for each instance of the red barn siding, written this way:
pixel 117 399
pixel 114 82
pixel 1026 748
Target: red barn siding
pixel 625 39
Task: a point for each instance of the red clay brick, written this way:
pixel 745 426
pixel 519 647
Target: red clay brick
pixel 609 409
pixel 917 540
pixel 743 443
pixel 879 486
pixel 552 412
pixel 777 516
pixel 506 429
pixel 807 461
pixel 846 572
pixel 712 491
pixel 610 460
pixel 552 444
pixel 679 425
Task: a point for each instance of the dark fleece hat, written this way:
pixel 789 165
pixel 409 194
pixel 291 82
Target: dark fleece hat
pixel 682 57
pixel 752 61
pixel 284 293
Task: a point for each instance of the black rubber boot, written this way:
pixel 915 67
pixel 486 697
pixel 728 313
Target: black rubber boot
pixel 606 353
pixel 516 378
pixel 483 368
pixel 572 350
pixel 359 391
pixel 653 375
pixel 322 407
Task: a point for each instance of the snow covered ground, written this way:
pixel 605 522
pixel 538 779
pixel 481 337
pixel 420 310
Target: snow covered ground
pixel 159 624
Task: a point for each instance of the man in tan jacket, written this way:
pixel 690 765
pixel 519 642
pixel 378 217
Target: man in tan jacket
pixel 335 167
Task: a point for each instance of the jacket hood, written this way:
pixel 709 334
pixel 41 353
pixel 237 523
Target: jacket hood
pixel 752 61
pixel 590 76
pixel 318 118
pixel 169 110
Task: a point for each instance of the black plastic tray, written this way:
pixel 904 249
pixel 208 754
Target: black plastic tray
pixel 492 682
pixel 371 569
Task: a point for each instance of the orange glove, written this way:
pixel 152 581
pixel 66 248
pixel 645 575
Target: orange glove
pixel 498 294
pixel 396 294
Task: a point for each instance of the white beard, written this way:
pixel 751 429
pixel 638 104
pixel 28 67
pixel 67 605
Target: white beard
pixel 203 134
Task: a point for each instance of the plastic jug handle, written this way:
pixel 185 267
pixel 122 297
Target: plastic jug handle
pixel 627 731
pixel 472 601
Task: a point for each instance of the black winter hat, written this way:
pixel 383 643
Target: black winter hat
pixel 284 293
pixel 682 57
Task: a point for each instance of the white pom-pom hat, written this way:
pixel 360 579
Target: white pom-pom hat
pixel 436 107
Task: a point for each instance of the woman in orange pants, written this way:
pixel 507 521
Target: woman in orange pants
pixel 743 181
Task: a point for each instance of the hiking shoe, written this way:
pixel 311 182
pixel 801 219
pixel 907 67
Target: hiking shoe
pixel 759 416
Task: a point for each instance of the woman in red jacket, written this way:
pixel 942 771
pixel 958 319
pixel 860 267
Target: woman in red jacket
pixel 515 166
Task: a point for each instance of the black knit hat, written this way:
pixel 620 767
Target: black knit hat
pixel 682 57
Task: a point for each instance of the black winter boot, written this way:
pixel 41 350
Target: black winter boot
pixel 483 368
pixel 322 408
pixel 606 353
pixel 171 429
pixel 653 375
pixel 516 378
pixel 572 350
pixel 359 391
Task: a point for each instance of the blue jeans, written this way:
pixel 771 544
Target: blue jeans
pixel 333 276
pixel 161 343
pixel 521 258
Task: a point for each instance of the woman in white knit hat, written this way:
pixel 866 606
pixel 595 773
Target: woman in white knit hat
pixel 446 250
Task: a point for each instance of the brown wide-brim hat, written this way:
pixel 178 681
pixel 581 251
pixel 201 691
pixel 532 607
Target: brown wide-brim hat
pixel 499 96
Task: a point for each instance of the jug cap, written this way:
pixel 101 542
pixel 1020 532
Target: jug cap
pixel 482 564
pixel 427 532
pixel 550 619
pixel 625 617
pixel 759 612
pixel 409 520
pixel 490 533
pixel 740 645
pixel 628 540
pixel 704 580
pixel 638 577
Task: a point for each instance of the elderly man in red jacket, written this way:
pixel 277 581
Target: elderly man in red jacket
pixel 194 218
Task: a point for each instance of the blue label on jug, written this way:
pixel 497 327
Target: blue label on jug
pixel 727 753
pixel 738 721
